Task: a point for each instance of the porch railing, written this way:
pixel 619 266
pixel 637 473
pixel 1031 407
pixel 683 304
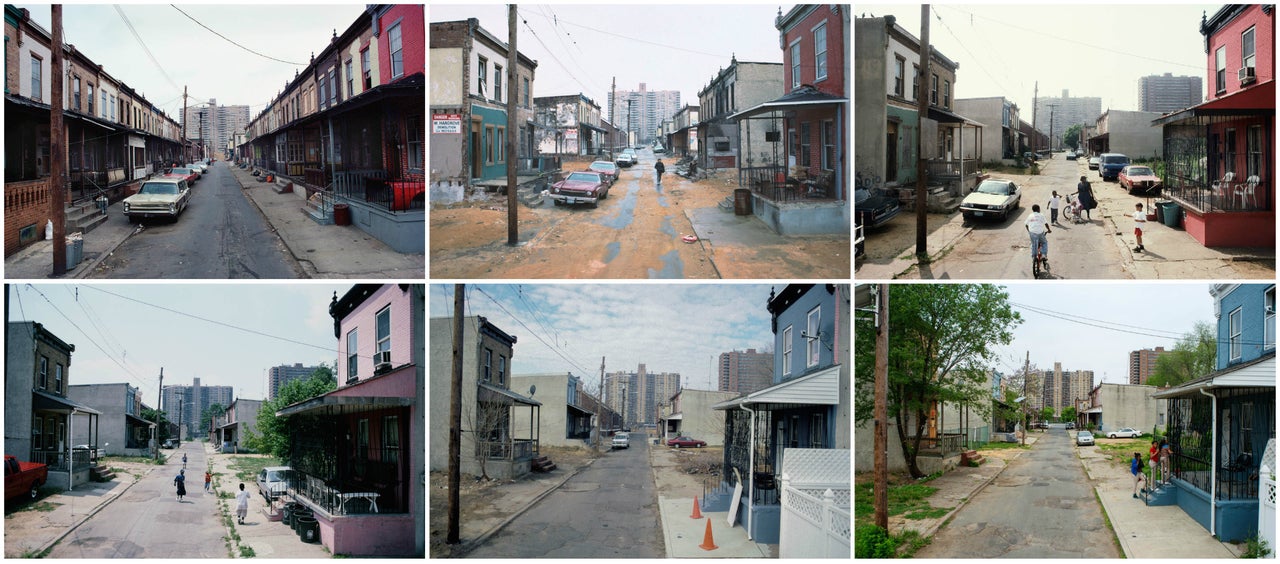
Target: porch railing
pixel 944 444
pixel 949 169
pixel 334 500
pixel 1236 195
pixel 537 164
pixel 773 183
pixel 58 461
pixel 514 449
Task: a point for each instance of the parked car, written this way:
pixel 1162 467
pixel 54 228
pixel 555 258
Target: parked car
pixel 1110 165
pixel 1093 163
pixel 274 481
pixel 873 208
pixel 685 442
pixel 1084 438
pixel 1071 425
pixel 1071 155
pixel 580 188
pixel 23 478
pixel 1139 178
pixel 184 173
pixel 608 170
pixel 162 197
pixel 198 167
pixel 170 443
pixel 627 157
pixel 621 440
pixel 992 198
pixel 1125 433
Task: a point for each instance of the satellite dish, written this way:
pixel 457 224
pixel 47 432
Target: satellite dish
pixel 532 389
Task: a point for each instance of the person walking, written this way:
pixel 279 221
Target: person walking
pixel 1054 203
pixel 1085 191
pixel 184 460
pixel 242 504
pixel 1135 468
pixel 181 481
pixel 1139 219
pixel 658 169
pixel 1165 454
pixel 1155 458
pixel 208 479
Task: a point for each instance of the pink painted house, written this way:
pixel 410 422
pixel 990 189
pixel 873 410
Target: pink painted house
pixel 358 451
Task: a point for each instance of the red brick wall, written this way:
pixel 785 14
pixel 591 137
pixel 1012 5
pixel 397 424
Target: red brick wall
pixel 25 203
pixel 834 82
pixel 1229 36
pixel 413 39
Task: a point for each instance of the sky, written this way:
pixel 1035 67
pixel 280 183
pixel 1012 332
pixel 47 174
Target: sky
pixel 581 48
pixel 1156 315
pixel 1090 49
pixel 668 327
pixel 191 56
pixel 118 338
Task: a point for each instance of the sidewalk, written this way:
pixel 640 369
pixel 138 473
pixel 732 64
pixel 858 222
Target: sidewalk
pixel 743 247
pixel 1147 532
pixel 267 538
pixel 684 535
pixel 956 488
pixel 36 261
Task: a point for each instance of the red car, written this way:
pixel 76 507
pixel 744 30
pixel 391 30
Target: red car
pixel 606 169
pixel 23 478
pixel 1139 178
pixel 183 173
pixel 580 188
pixel 684 442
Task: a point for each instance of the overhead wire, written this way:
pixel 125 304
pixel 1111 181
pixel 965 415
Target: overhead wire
pixel 141 381
pixel 531 331
pixel 553 56
pixel 229 40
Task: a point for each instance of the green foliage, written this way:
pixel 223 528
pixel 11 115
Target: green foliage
pixel 873 542
pixel 246 552
pixel 1255 547
pixel 1194 356
pixel 207 416
pixel 272 435
pixel 1071 137
pixel 1068 414
pixel 1004 446
pixel 162 430
pixel 1046 414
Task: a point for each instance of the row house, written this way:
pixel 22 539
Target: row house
pixel 992 144
pixel 349 127
pixel 1128 132
pixel 227 430
pixel 568 125
pixel 469 97
pixel 120 430
pixel 39 417
pixel 739 145
pixel 683 139
pixel 570 413
pixel 114 137
pixel 1220 155
pixel 357 451
pixel 804 188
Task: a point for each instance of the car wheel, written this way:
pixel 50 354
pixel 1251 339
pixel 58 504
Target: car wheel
pixel 556 202
pixel 35 491
pixel 595 204
pixel 677 445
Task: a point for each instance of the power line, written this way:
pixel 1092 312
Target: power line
pixel 552 55
pixel 128 371
pixel 646 41
pixel 1139 330
pixel 532 332
pixel 129 24
pixel 228 40
pixel 976 59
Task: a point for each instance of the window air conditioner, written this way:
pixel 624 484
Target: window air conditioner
pixel 382 361
pixel 1247 75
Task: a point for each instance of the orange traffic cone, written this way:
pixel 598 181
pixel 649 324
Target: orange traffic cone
pixel 708 543
pixel 697 514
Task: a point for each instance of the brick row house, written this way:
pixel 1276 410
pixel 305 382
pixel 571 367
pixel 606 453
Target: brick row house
pixel 114 136
pixel 739 144
pixel 805 190
pixel 1220 155
pixel 357 451
pixel 349 127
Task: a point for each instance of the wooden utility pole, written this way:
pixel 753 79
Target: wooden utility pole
pixel 1035 101
pixel 881 464
pixel 600 406
pixel 57 149
pixel 513 125
pixel 1026 376
pixel 922 110
pixel 185 153
pixel 159 398
pixel 455 419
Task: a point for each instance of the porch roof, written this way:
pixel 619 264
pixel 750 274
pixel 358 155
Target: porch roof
pixel 578 408
pixel 675 416
pixel 1258 373
pixel 944 116
pixel 42 401
pixel 820 388
pixel 1257 101
pixel 805 96
pixel 1094 410
pixel 330 404
pixel 137 419
pixel 230 425
pixel 510 394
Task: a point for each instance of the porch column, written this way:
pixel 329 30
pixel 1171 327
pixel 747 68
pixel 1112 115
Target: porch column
pixel 70 452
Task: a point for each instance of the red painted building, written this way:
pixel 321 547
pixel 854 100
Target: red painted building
pixel 1220 155
pixel 402 41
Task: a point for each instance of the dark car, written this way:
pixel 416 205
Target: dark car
pixel 873 209
pixel 580 188
pixel 1071 155
pixel 686 442
pixel 606 169
pixel 1110 165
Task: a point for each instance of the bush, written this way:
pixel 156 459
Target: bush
pixel 873 542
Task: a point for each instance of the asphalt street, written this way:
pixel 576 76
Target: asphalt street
pixel 220 235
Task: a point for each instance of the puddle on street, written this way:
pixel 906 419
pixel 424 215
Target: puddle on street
pixel 625 212
pixel 672 267
pixel 666 227
pixel 611 251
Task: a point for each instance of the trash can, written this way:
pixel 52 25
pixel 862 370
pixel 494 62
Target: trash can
pixel 75 250
pixel 1159 208
pixel 298 515
pixel 289 510
pixel 742 201
pixel 341 214
pixel 308 529
pixel 1172 214
pixel 103 203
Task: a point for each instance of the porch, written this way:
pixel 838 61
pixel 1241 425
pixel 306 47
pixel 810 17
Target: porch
pixel 501 451
pixel 52 441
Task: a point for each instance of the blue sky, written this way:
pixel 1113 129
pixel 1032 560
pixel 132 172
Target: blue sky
pixel 668 327
pixel 118 340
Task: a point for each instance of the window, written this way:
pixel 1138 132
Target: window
pixel 933 90
pixel 362 439
pixel 828 145
pixel 36 83
pixel 526 92
pixel 488 144
pixel 397 53
pixel 805 142
pixel 382 331
pixel 391 438
pixel 899 76
pixel 1247 48
pixel 488 365
pixel 497 83
pixel 813 336
pixel 35 432
pixel 104 103
pixel 794 431
pixel 413 137
pixel 333 86
pixel 786 351
pixel 89 96
pixel 365 70
pixel 1253 148
pixel 44 372
pixel 500 140
pixel 817 432
pixel 820 52
pixel 946 94
pixel 323 92
pixel 49 436
pixel 351 80
pixel 1220 63
pixel 57 377
pixel 1269 299
pixel 502 370
pixel 1246 427
pixel 484 76
pixel 1233 338
pixel 795 64
pixel 353 360
pixel 915 82
pixel 113 106
pixel 75 92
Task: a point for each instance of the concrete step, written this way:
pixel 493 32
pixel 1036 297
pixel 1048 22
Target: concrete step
pixel 1162 495
pixel 542 464
pixel 101 473
pixel 727 204
pixel 316 213
pixel 286 188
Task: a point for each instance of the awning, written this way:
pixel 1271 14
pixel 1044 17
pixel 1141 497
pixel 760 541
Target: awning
pixel 42 401
pixel 337 405
pixel 819 388
pixel 592 127
pixel 1094 410
pixel 805 96
pixel 1258 373
pixel 675 417
pixel 1257 101
pixel 578 409
pixel 509 394
pixel 230 425
pixel 943 116
pixel 138 420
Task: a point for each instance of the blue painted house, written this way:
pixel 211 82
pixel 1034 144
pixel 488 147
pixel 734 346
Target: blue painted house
pixel 1219 424
pixel 807 406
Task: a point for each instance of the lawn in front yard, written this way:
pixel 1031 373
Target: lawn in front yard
pixel 247 466
pixel 1121 450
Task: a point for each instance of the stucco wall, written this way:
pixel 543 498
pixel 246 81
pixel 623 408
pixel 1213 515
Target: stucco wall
pixel 18 381
pixel 870 68
pixel 446 77
pixel 698 419
pixel 1133 135
pixel 367 535
pixel 552 426
pixel 990 113
pixel 1128 406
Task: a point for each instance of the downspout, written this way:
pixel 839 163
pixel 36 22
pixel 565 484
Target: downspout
pixel 751 465
pixel 1213 469
pixel 71 452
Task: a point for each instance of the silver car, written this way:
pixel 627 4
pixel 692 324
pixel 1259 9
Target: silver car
pixel 1084 438
pixel 273 481
pixel 621 440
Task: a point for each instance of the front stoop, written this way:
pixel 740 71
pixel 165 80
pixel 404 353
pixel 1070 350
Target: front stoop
pixel 971 456
pixel 542 464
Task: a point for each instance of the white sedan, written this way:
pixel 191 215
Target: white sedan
pixel 993 198
pixel 1125 433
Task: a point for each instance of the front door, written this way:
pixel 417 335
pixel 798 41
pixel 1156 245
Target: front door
pixel 477 144
pixel 891 154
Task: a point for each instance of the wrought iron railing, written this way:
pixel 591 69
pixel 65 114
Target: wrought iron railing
pixel 942 168
pixel 58 460
pixel 944 444
pixel 512 449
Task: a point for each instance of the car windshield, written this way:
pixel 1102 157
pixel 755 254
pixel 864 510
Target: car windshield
pixel 276 475
pixel 1115 159
pixel 169 188
pixel 1139 171
pixel 603 166
pixel 583 177
pixel 997 188
pixel 180 171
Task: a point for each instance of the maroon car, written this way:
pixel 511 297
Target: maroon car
pixel 183 173
pixel 580 188
pixel 686 442
pixel 606 169
pixel 1139 178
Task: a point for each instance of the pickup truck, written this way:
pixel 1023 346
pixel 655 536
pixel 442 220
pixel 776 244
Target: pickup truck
pixel 23 477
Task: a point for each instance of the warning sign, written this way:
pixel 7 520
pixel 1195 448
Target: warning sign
pixel 446 123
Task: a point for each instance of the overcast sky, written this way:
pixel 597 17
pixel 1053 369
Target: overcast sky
pixel 1090 49
pixel 1157 315
pixel 191 56
pixel 121 340
pixel 581 48
pixel 668 327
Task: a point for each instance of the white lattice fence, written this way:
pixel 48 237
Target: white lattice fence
pixel 1267 497
pixel 815 526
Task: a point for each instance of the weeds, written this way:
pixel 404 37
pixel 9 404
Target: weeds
pixel 246 552
pixel 1255 547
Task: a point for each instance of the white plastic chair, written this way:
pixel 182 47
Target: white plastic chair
pixel 1246 190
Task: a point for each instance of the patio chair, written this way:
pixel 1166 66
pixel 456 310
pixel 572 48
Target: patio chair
pixel 1220 186
pixel 1245 191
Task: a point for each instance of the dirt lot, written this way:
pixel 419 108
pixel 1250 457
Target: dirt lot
pixel 684 472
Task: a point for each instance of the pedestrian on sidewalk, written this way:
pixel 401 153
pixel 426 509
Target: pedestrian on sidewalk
pixel 181 482
pixel 184 460
pixel 1139 219
pixel 659 168
pixel 1135 468
pixel 208 479
pixel 1165 454
pixel 242 504
pixel 1054 202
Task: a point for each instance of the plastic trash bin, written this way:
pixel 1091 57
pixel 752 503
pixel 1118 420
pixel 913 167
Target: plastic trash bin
pixel 1172 213
pixel 341 214
pixel 308 529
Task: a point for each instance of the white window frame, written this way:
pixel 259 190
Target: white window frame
pixel 1250 59
pixel 813 344
pixel 353 357
pixel 820 52
pixel 37 78
pixel 1220 70
pixel 1234 329
pixel 497 83
pixel 395 44
pixel 1269 326
pixel 794 49
pixel 786 351
pixel 383 342
pixel 502 370
pixel 483 65
pixel 58 371
pixel 487 373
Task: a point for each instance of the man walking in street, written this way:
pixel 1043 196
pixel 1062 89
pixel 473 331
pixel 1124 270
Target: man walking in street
pixel 658 168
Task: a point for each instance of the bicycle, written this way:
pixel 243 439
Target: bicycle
pixel 1040 266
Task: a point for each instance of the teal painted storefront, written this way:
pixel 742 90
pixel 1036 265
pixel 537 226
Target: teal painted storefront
pixel 490 122
pixel 903 161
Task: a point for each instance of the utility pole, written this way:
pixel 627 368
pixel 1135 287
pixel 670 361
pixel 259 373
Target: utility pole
pixel 57 149
pixel 185 153
pixel 181 405
pixel 159 397
pixel 922 110
pixel 881 462
pixel 1052 108
pixel 513 63
pixel 1026 376
pixel 613 120
pixel 600 406
pixel 455 419
pixel 1035 101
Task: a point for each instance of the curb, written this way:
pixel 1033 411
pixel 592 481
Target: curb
pixel 89 267
pixel 100 507
pixel 946 247
pixel 248 195
pixel 468 547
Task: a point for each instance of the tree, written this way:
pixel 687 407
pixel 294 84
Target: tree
pixel 162 430
pixel 941 343
pixel 209 413
pixel 1071 137
pixel 1068 414
pixel 1195 355
pixel 272 435
pixel 490 426
pixel 1046 413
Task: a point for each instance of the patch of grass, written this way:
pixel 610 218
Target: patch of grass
pixel 247 467
pixel 930 513
pixel 1255 547
pixel 902 499
pixel 246 552
pixel 1121 450
pixel 1106 520
pixel 134 459
pixel 911 541
pixel 1003 446
pixel 44 506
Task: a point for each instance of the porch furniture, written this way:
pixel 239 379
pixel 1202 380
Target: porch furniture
pixel 1220 186
pixel 1245 191
pixel 343 498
